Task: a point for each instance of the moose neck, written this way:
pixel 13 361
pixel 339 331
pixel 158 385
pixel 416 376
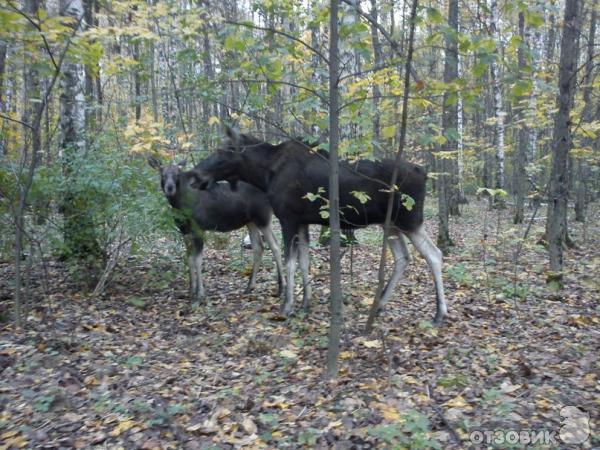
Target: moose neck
pixel 256 166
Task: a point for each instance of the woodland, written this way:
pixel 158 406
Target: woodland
pixel 104 345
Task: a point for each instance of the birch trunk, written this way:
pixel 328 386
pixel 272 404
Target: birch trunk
pixel 81 244
pixel 497 90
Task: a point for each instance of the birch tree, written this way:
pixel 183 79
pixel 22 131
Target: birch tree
pixel 81 244
pixel 497 96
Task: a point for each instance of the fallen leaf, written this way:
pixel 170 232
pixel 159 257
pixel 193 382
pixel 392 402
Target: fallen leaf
pixel 122 427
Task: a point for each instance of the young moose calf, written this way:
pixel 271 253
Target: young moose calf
pixel 217 208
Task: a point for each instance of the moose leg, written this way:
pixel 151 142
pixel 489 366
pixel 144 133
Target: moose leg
pixel 197 257
pixel 257 252
pixel 274 246
pixel 401 260
pixel 433 256
pixel 290 240
pixel 303 257
pixel 189 252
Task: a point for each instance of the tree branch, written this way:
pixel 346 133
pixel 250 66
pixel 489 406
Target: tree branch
pixel 281 33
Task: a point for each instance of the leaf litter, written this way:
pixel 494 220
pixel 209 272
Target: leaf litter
pixel 233 374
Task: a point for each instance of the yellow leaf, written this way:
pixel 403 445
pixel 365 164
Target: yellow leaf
pixel 91 380
pixel 213 120
pixel 9 434
pixel 288 354
pixel 122 427
pixel 456 402
pixel 277 402
pixel 346 355
pixel 375 343
pixel 388 412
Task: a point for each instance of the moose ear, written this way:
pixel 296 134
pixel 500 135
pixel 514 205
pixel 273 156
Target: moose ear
pixel 233 135
pixel 197 181
pixel 182 164
pixel 154 163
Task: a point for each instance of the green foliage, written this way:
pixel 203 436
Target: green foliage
pixel 412 433
pixel 460 274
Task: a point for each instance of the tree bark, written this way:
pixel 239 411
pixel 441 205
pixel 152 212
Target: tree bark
pixel 587 116
pixel 519 173
pixel 377 59
pixel 449 127
pixel 81 244
pixel 497 89
pixel 557 204
pixel 336 304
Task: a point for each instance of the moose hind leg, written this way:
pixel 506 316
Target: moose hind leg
pixel 257 252
pixel 433 256
pixel 291 254
pixel 274 246
pixel 401 260
pixel 303 257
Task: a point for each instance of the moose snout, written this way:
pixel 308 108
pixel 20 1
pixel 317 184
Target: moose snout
pixel 170 189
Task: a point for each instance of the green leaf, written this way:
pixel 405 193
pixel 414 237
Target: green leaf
pixel 362 197
pixel 434 16
pixel 522 88
pixel 389 132
pixel 407 201
pixel 233 42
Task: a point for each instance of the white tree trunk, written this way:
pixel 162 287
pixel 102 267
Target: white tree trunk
pixel 461 144
pixel 72 99
pixel 498 112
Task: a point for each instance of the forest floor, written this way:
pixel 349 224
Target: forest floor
pixel 141 368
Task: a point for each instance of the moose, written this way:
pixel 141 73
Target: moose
pixel 295 178
pixel 217 208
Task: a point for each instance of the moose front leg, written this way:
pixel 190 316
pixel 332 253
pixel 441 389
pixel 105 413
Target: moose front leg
pixel 303 257
pixel 257 252
pixel 196 267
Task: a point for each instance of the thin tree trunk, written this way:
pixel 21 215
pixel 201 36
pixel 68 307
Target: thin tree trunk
pixel 377 58
pixel 497 89
pixel 460 160
pixel 79 231
pixel 587 116
pixel 336 323
pixel 153 91
pixel 392 195
pixel 137 81
pixel 519 173
pixel 3 51
pixel 449 128
pixel 90 116
pixel 557 204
